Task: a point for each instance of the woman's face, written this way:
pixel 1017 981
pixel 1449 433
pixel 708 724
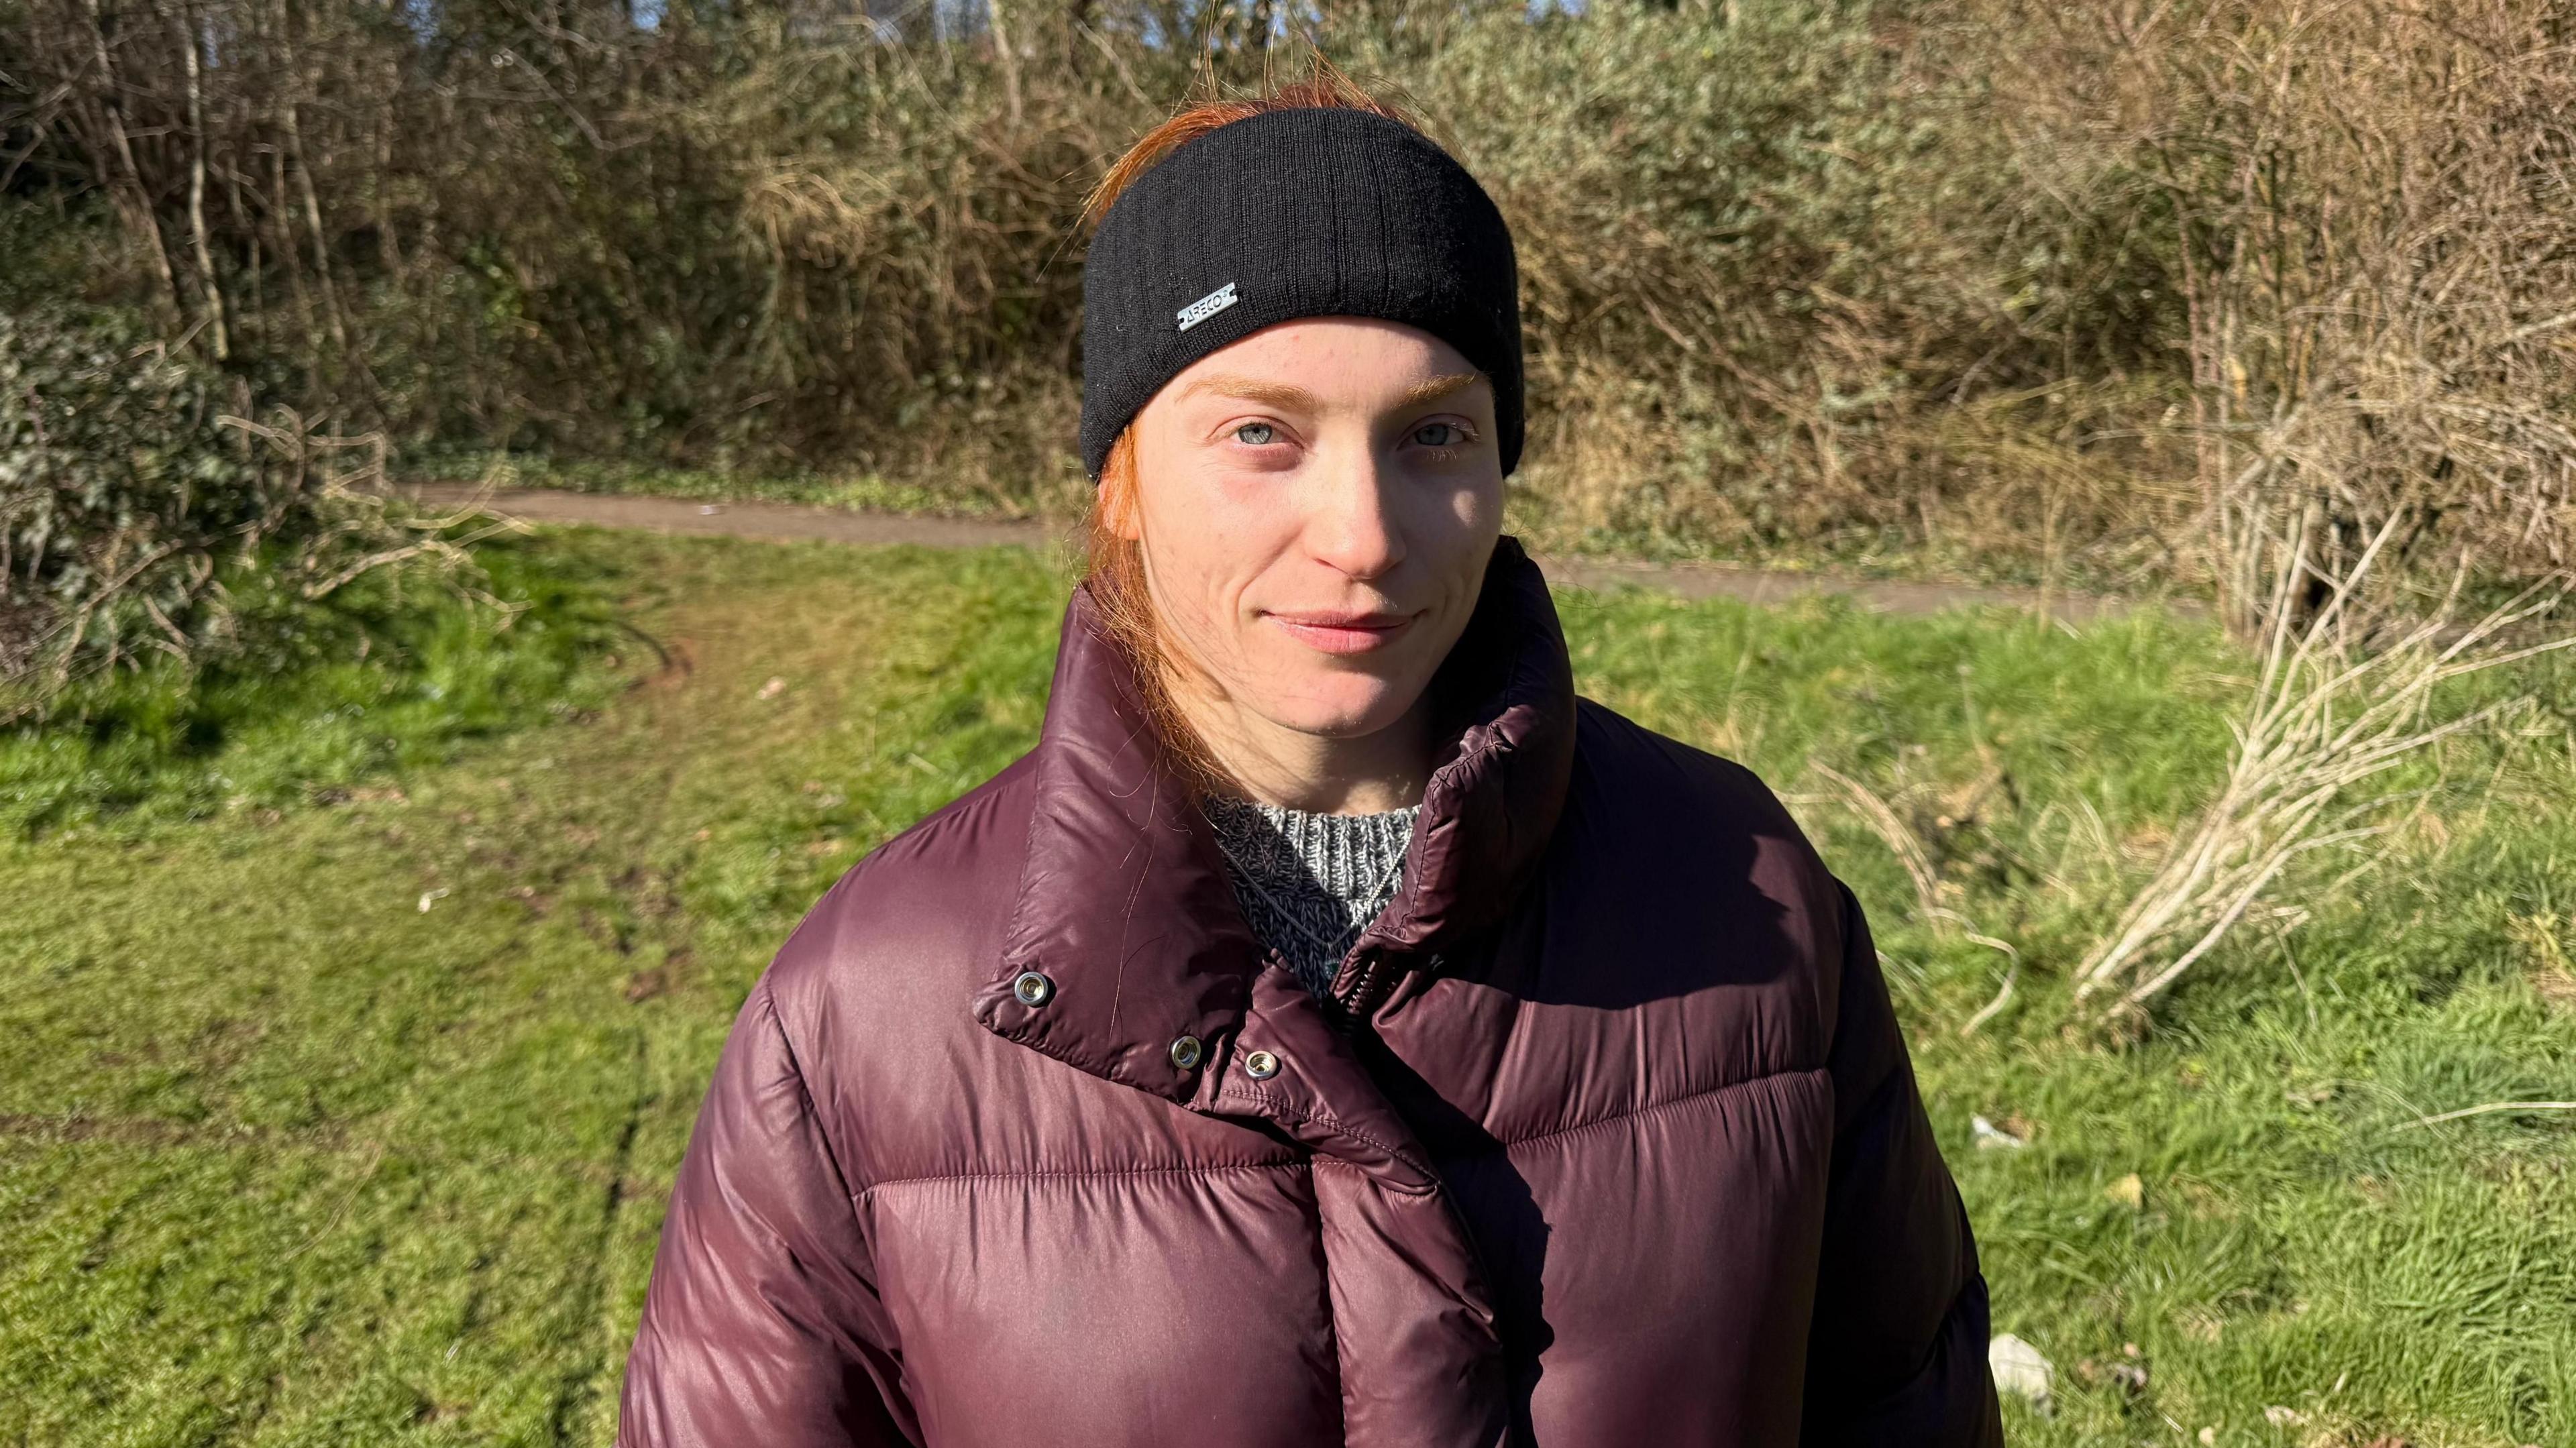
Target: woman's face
pixel 1316 505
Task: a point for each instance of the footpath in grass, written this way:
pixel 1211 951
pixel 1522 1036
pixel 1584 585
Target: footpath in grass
pixel 351 1121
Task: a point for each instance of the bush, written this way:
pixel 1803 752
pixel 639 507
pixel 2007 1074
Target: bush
pixel 134 508
pixel 2018 285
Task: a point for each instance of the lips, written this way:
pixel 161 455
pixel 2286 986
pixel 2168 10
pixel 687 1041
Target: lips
pixel 1343 633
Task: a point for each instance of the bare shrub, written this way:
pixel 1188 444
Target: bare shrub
pixel 2364 211
pixel 1795 297
pixel 2346 693
pixel 2367 209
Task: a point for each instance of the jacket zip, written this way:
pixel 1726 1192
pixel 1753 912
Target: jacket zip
pixel 1371 980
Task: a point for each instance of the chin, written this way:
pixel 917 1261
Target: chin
pixel 1343 706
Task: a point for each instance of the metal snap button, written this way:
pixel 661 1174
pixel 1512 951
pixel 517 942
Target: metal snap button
pixel 1261 1065
pixel 1185 1052
pixel 1032 988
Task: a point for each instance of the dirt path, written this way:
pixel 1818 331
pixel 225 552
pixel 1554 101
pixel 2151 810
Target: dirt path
pixel 785 522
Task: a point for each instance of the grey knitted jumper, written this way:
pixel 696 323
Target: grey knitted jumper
pixel 1310 883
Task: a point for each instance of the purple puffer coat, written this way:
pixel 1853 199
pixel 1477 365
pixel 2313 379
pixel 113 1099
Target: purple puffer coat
pixel 1605 1137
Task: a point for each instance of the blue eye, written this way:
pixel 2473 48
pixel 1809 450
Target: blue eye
pixel 1440 434
pixel 1256 434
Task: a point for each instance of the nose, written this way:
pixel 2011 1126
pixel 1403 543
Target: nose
pixel 1351 524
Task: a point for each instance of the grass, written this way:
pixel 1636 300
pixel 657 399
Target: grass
pixel 391 672
pixel 352 1121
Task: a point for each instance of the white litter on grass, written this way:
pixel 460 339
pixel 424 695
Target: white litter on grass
pixel 2019 1369
pixel 431 897
pixel 775 687
pixel 1991 1137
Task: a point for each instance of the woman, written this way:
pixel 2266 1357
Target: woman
pixel 1333 1030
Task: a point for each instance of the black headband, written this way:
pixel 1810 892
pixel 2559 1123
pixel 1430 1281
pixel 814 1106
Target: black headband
pixel 1311 212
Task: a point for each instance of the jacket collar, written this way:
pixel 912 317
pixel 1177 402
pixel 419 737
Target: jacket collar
pixel 1124 905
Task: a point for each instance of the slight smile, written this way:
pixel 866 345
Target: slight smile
pixel 1344 633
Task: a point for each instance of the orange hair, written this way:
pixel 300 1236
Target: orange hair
pixel 1113 564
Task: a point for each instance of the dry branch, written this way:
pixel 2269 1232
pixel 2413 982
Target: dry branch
pixel 2344 695
pixel 1900 840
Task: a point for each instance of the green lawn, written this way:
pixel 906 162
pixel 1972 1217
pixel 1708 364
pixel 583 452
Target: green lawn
pixel 350 1121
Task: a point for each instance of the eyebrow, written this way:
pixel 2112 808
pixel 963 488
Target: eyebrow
pixel 1289 395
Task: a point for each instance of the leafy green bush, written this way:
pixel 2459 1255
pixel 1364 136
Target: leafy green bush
pixel 135 508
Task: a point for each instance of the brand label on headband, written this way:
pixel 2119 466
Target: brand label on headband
pixel 1207 306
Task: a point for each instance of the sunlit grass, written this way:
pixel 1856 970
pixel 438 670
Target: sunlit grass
pixel 391 673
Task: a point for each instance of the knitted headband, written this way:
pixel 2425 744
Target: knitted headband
pixel 1311 212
